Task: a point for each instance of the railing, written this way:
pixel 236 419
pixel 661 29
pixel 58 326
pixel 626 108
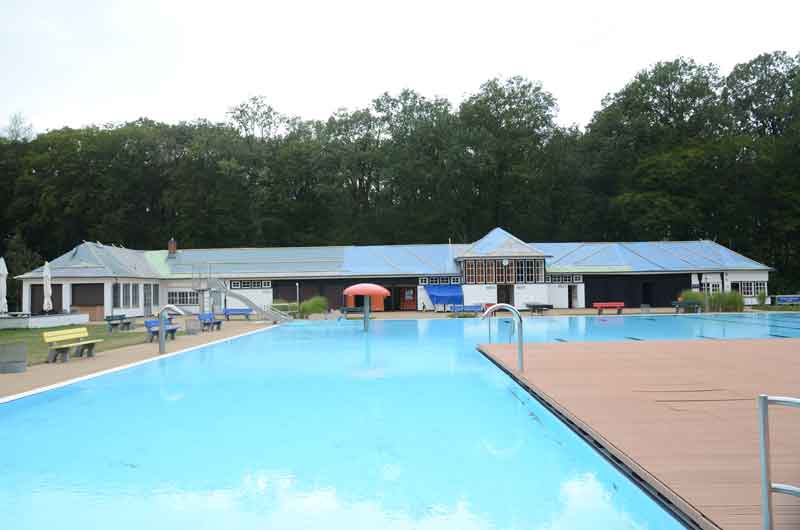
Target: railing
pixel 512 309
pixel 162 319
pixel 767 486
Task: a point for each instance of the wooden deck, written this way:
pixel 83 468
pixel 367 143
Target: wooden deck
pixel 681 414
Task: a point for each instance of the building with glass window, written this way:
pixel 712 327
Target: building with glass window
pixel 102 280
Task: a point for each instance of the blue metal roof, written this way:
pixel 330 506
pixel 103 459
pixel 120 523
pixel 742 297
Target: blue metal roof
pixel 97 260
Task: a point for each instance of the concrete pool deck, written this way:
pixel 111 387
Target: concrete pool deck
pixel 681 414
pixel 44 375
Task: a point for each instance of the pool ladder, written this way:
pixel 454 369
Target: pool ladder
pixel 767 486
pixel 512 309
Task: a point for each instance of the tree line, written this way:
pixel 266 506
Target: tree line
pixel 680 152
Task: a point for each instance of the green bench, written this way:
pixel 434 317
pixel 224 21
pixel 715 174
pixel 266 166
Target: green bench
pixel 61 341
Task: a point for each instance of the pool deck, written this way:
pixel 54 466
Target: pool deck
pixel 681 414
pixel 44 375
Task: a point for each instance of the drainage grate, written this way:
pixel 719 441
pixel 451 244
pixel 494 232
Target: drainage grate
pixel 634 338
pixel 561 340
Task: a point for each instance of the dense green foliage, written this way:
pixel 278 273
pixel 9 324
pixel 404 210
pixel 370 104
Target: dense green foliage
pixel 317 304
pixel 688 295
pixel 680 152
pixel 730 301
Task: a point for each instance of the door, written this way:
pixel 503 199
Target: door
pixel 505 294
pixel 647 293
pixel 408 298
pixel 148 299
pixel 37 298
pixel 572 296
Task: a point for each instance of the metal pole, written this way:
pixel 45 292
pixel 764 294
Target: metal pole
pixel 766 476
pixel 297 298
pixel 366 312
pixel 162 335
pixel 520 347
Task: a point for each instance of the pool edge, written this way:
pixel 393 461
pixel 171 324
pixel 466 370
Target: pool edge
pixel 74 380
pixel 670 500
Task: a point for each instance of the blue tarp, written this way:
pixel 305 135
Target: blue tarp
pixel 445 294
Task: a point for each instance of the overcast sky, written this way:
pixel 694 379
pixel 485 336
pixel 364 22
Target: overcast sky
pixel 80 62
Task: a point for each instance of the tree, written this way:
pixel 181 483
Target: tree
pixel 18 129
pixel 19 260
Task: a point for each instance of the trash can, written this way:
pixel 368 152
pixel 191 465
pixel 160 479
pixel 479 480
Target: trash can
pixel 13 358
pixel 192 326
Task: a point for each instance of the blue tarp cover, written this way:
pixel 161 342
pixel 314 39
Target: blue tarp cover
pixel 445 294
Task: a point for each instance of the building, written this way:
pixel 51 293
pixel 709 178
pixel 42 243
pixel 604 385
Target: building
pixel 104 279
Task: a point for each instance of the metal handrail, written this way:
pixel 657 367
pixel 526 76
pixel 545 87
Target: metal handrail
pixel 512 309
pixel 767 486
pixel 162 335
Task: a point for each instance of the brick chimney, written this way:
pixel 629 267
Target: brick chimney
pixel 172 247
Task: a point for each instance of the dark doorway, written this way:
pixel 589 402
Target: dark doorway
pixel 88 298
pixel 505 294
pixel 37 298
pixel 647 293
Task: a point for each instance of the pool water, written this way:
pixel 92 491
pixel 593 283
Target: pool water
pixel 317 425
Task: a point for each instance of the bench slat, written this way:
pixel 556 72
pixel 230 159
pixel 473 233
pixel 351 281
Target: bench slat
pixel 66 334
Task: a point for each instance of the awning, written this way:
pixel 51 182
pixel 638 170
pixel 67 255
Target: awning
pixel 445 294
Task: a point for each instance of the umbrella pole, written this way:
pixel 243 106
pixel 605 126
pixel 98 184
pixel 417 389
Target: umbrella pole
pixel 366 312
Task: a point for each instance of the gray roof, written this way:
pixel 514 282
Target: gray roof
pixel 94 260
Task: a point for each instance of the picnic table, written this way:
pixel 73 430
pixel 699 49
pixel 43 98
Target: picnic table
pixel 688 306
pixel 118 321
pixel 538 309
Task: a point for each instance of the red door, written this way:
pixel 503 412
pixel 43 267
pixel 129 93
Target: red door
pixel 408 298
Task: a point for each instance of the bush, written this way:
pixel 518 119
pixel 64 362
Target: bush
pixel 318 304
pixel 762 298
pixel 730 301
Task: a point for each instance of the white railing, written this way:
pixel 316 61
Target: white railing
pixel 512 309
pixel 767 486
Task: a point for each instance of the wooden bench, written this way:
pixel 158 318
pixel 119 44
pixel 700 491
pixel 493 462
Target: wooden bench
pixel 600 306
pixel 232 311
pixel 120 321
pixel 152 327
pixel 61 341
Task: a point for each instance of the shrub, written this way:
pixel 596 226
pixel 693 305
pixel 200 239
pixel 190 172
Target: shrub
pixel 318 304
pixel 762 298
pixel 730 301
pixel 692 296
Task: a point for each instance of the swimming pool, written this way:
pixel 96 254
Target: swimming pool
pixel 317 425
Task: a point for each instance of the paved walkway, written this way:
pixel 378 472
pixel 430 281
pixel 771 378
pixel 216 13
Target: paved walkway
pixel 682 414
pixel 40 375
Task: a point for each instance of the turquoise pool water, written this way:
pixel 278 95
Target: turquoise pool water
pixel 317 425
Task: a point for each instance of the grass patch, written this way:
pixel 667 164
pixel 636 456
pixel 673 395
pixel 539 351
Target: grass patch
pixel 37 349
pixel 462 315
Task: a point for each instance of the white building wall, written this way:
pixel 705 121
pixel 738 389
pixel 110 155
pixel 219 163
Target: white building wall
pixel 479 294
pixel 746 276
pixel 558 294
pixel 581 301
pixel 26 296
pixel 530 293
pixel 260 297
pixel 423 300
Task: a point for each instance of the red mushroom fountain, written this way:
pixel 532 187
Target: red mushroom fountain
pixel 366 290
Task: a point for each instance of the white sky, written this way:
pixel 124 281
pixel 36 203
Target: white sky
pixel 88 61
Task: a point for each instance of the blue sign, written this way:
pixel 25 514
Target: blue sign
pixel 786 299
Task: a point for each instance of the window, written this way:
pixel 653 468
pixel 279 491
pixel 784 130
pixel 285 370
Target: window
pixel 439 280
pixel 126 295
pixel 251 284
pixel 134 295
pixel 749 288
pixel 564 278
pixel 115 296
pixel 710 288
pixel 503 271
pixel 423 281
pixel 455 280
pixel 155 294
pixel 182 298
